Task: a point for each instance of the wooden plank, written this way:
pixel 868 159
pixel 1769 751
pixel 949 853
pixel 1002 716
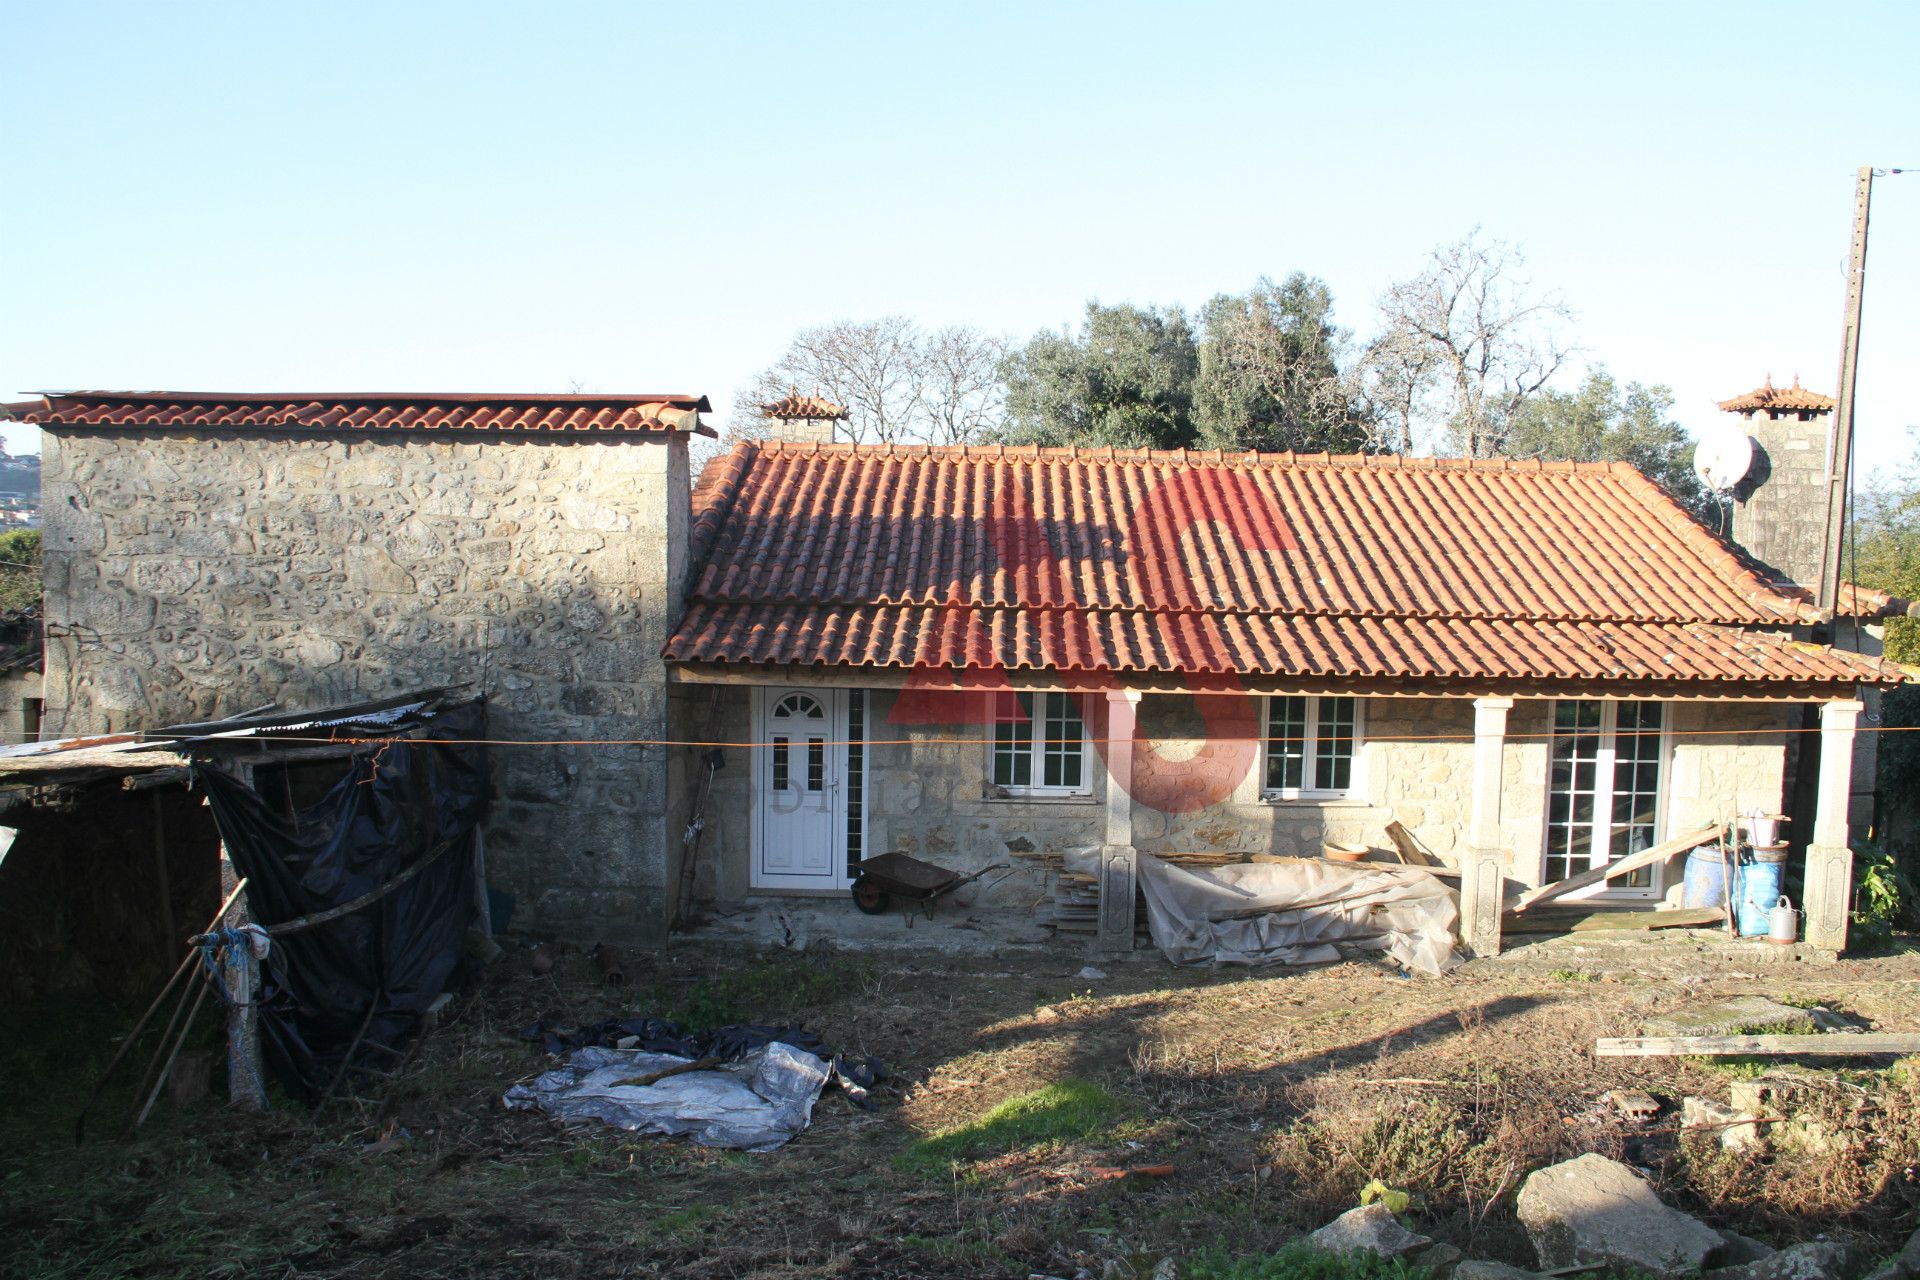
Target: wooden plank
pixel 1574 921
pixel 1632 862
pixel 1831 1045
pixel 1409 849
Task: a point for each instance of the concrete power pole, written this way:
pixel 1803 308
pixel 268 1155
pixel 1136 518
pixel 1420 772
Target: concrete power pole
pixel 1840 445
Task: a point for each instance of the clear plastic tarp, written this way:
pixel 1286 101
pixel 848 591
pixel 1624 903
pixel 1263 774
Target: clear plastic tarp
pixel 1300 911
pixel 754 1104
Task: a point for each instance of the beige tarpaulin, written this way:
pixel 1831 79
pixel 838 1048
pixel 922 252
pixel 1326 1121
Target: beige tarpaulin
pixel 1299 911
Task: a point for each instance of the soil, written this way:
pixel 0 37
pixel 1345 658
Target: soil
pixel 1275 1095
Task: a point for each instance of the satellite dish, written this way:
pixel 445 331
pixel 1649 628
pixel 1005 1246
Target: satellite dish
pixel 1723 457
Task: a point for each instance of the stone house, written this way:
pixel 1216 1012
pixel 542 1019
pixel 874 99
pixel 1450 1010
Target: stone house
pixel 1532 667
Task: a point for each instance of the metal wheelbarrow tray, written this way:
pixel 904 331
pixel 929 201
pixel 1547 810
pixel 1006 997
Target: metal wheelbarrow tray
pixel 887 876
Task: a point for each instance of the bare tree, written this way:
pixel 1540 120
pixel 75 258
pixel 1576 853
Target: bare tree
pixel 896 381
pixel 1465 342
pixel 964 397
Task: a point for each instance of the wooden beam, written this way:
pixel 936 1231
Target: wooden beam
pixel 1577 921
pixel 1827 1045
pixel 1632 862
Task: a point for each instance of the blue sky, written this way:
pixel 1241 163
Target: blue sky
pixel 655 198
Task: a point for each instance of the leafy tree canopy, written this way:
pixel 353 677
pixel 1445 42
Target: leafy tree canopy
pixel 1126 379
pixel 1270 375
pixel 19 569
pixel 1599 422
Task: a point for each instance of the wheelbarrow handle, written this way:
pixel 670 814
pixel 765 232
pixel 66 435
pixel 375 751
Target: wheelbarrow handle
pixel 998 866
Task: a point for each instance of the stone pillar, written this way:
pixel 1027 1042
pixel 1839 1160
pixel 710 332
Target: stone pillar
pixel 1829 878
pixel 1119 861
pixel 1483 868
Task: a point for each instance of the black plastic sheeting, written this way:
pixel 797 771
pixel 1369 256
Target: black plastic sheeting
pixel 394 804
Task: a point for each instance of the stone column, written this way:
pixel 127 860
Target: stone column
pixel 1483 868
pixel 1829 879
pixel 1119 861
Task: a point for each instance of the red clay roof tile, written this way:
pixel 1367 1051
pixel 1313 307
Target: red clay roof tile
pixel 361 411
pixel 1769 398
pixel 1273 565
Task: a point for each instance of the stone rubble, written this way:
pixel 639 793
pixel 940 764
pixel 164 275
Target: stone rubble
pixel 1372 1227
pixel 1592 1209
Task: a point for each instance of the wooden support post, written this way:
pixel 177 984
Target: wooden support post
pixel 240 971
pixel 1119 861
pixel 1829 875
pixel 1483 868
pixel 246 1082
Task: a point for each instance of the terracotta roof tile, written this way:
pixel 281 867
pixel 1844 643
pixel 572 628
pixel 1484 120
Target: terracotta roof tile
pixel 1272 565
pixel 358 411
pixel 795 406
pixel 1769 398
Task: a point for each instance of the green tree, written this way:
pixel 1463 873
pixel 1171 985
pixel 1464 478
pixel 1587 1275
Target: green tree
pixel 19 569
pixel 1126 379
pixel 1599 422
pixel 1269 375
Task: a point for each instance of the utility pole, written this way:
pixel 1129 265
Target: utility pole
pixel 1840 444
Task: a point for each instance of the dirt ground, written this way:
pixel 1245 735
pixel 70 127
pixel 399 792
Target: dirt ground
pixel 1275 1095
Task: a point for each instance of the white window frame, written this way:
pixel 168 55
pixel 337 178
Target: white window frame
pixel 1035 747
pixel 1602 821
pixel 1310 766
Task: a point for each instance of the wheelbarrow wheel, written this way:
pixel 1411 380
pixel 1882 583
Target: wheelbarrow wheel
pixel 869 896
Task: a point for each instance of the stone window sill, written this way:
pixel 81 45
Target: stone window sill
pixel 1314 802
pixel 1043 799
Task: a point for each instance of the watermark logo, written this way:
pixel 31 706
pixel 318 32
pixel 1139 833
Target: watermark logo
pixel 1154 590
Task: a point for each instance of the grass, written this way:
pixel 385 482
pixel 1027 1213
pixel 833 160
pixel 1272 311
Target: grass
pixel 1067 1111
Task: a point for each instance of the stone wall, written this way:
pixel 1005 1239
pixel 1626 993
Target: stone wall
pixel 1415 765
pixel 197 575
pixel 1780 509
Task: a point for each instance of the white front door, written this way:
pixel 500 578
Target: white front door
pixel 800 819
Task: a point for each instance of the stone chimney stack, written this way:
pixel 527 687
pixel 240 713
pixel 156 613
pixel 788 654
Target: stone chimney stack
pixel 802 419
pixel 1780 508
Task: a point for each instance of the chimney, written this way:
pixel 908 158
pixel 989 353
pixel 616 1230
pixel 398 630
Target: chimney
pixel 802 419
pixel 1780 508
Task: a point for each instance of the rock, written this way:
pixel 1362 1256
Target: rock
pixel 1092 974
pixel 1735 1129
pixel 1593 1209
pixel 1737 1016
pixel 1740 1249
pixel 1372 1227
pixel 1167 1270
pixel 1474 1269
pixel 1904 1265
pixel 1438 1258
pixel 1814 1260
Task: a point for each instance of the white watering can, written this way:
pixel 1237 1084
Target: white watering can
pixel 1783 923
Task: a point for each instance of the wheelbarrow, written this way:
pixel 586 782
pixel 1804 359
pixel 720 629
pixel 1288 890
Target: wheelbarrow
pixel 887 876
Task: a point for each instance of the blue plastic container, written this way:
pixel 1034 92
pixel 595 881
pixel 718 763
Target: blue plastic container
pixel 1706 881
pixel 1760 882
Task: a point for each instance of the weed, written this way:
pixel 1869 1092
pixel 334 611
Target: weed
pixel 1573 975
pixel 685 1221
pixel 1301 1262
pixel 1069 1111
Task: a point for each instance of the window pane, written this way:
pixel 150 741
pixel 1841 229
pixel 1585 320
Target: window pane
pixel 856 778
pixel 816 764
pixel 779 764
pixel 1013 740
pixel 1286 743
pixel 1062 748
pixel 1570 791
pixel 1636 786
pixel 1333 747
